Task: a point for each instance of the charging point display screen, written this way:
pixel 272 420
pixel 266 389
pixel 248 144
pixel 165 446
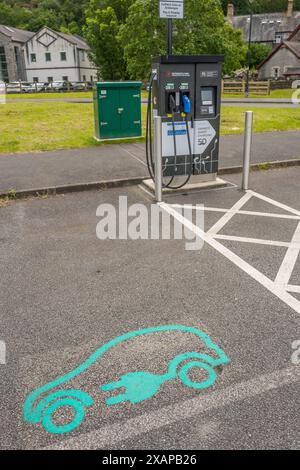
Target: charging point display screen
pixel 207 97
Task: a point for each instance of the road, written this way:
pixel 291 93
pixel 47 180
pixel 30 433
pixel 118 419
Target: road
pixel 64 293
pixel 255 103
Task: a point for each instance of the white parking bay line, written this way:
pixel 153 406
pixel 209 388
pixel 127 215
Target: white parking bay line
pixel 290 259
pixel 226 217
pixel 235 259
pixel 275 203
pixel 295 289
pixel 239 212
pixel 256 241
pixel 109 435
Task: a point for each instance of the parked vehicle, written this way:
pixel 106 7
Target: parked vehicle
pixel 59 86
pixel 38 86
pixel 79 86
pixel 134 387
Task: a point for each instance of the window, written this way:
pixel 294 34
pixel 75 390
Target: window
pixel 3 66
pixel 63 56
pixel 50 79
pixel 35 79
pixel 18 58
pixel 48 56
pixel 84 78
pixel 278 38
pixel 82 56
pixel 65 78
pixel 92 79
pixel 33 57
pixel 275 72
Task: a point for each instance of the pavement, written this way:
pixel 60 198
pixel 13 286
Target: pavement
pixel 112 162
pixel 256 102
pixel 65 293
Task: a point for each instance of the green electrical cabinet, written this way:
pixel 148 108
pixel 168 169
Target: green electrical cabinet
pixel 117 107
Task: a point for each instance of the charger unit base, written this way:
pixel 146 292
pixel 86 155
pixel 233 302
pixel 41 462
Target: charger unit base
pixel 198 185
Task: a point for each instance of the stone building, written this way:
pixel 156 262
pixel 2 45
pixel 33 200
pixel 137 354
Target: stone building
pixel 44 56
pixel 267 28
pixel 12 61
pixel 284 60
pixel 54 56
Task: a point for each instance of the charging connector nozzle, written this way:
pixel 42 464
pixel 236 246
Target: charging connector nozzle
pixel 186 103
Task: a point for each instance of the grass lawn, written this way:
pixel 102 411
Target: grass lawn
pixel 265 119
pixel 26 127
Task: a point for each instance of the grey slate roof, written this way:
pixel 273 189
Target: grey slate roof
pixel 20 35
pixel 295 46
pixel 265 25
pixel 74 39
pixel 292 71
pixel 17 35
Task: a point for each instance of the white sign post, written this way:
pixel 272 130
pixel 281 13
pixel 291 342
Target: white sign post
pixel 171 9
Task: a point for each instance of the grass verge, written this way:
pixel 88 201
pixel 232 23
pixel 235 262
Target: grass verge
pixel 34 127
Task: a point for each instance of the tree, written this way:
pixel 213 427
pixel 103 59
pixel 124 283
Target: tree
pixel 14 16
pixel 63 15
pixel 258 53
pixel 242 7
pixel 101 32
pixel 203 31
pixel 103 21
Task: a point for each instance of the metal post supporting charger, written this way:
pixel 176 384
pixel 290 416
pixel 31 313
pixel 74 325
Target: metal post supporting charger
pixel 247 149
pixel 158 158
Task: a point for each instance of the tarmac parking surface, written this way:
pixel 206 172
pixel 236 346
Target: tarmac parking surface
pixel 65 294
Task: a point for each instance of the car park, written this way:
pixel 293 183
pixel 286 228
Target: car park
pixel 18 87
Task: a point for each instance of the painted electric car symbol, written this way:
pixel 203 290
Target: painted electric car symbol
pixel 136 387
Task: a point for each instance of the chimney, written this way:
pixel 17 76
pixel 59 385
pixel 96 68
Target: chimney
pixel 230 12
pixel 290 9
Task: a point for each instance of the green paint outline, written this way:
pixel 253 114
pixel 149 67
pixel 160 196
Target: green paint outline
pixel 135 380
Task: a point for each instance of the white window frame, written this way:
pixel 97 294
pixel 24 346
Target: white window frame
pixel 276 67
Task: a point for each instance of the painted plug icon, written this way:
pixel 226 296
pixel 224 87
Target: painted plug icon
pixel 139 386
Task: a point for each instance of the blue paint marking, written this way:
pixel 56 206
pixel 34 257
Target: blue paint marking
pixel 179 132
pixel 137 386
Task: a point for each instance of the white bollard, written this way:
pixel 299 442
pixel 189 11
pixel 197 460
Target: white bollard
pixel 158 158
pixel 247 149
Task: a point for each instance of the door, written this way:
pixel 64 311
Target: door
pixel 109 113
pixel 130 109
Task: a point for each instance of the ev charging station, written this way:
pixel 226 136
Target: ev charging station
pixel 183 116
pixel 184 102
